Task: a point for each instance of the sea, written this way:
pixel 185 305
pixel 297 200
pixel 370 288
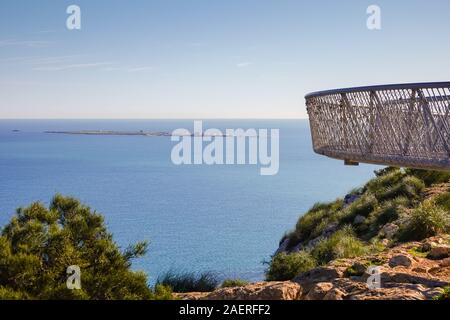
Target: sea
pixel 224 219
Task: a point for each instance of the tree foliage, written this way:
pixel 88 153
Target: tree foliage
pixel 39 243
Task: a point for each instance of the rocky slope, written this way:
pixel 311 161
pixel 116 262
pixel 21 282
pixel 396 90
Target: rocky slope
pixel 409 271
pixel 393 231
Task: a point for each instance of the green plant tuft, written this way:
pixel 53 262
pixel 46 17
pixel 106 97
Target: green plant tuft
pixel 189 281
pixel 230 283
pixel 342 244
pixel 425 221
pixel 287 266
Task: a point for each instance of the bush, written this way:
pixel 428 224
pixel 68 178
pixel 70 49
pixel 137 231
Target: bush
pixel 39 244
pixel 445 295
pixel 162 292
pixel 230 283
pixel 311 223
pixel 386 180
pixel 189 281
pixel 287 266
pixel 410 187
pixel 385 171
pixel 443 200
pixel 342 244
pixel 430 177
pixel 387 213
pixel 363 207
pixel 9 294
pixel 425 221
pixel 305 226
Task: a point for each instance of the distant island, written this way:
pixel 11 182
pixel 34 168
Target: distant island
pixel 131 133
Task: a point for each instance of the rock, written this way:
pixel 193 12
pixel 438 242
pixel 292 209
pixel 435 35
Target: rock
pixel 394 277
pixel 320 274
pixel 286 290
pixel 191 295
pixel 426 246
pixel 350 286
pixel 399 292
pixel 334 294
pixel 389 230
pixel 403 276
pixel 390 294
pixel 439 252
pixel 312 243
pixel 350 198
pixel 359 219
pixel 283 246
pixel 400 260
pixel 318 291
pixel 297 248
pixel 420 270
pixel 445 263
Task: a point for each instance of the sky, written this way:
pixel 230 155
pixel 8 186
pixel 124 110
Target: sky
pixel 208 58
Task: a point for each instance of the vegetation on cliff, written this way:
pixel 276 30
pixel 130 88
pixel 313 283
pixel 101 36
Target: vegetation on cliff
pixel 396 206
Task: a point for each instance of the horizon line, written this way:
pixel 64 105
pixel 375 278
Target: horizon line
pixel 196 118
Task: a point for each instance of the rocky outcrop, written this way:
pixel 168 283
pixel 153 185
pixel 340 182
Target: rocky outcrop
pixel 318 291
pixel 410 271
pixel 400 260
pixel 284 290
pixel 404 272
pixel 350 198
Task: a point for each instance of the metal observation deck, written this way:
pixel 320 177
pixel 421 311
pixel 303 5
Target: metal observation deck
pixel 403 125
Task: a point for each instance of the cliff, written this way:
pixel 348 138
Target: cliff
pixel 410 271
pixel 386 240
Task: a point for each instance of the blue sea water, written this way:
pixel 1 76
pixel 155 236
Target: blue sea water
pixel 224 219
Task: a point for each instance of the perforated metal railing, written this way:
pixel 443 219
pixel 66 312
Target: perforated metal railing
pixel 405 125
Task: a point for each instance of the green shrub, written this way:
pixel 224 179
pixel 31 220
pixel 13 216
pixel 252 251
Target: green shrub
pixel 287 266
pixel 9 294
pixel 387 213
pixel 162 292
pixel 363 207
pixel 189 281
pixel 418 252
pixel 376 245
pixel 425 221
pixel 321 226
pixel 430 177
pixel 410 187
pixel 443 200
pixel 39 244
pixel 355 270
pixel 342 244
pixel 387 180
pixel 385 171
pixel 312 223
pixel 445 295
pixel 229 283
pixel 305 226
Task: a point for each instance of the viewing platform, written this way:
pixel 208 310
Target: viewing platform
pixel 403 125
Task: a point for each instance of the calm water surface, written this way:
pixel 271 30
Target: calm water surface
pixel 225 219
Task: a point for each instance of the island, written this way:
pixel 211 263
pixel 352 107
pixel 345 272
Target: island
pixel 132 133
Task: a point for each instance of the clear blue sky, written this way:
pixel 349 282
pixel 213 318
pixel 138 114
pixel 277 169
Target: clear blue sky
pixel 208 58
